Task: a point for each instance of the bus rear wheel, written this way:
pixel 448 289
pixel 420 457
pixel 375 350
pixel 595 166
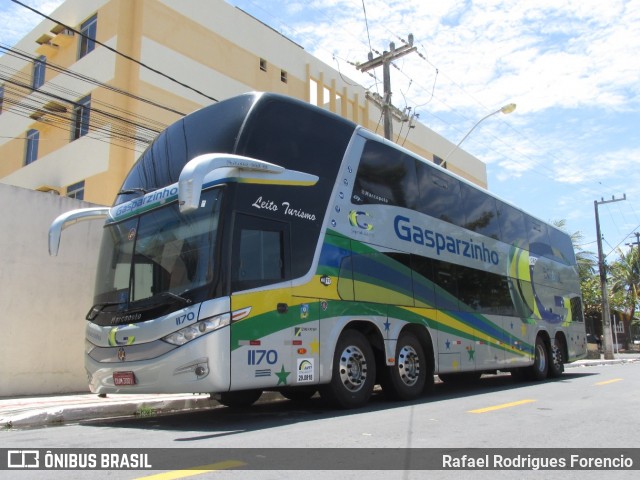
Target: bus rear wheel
pixel 540 368
pixel 406 379
pixel 556 365
pixel 239 399
pixel 354 372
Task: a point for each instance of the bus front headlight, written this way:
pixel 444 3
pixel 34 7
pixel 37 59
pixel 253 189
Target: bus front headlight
pixel 198 329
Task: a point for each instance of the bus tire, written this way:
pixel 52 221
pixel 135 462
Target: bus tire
pixel 556 363
pixel 406 379
pixel 298 394
pixel 240 398
pixel 354 372
pixel 540 368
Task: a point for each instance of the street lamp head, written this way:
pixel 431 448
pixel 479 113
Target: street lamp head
pixel 507 109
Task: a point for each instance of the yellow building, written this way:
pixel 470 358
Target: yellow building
pixel 76 113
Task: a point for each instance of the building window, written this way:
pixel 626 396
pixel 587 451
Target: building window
pixel 31 153
pixel 39 67
pixel 283 76
pixel 76 191
pixel 81 113
pixel 263 65
pixel 88 36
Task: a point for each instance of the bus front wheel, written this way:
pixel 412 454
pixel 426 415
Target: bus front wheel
pixel 354 372
pixel 406 379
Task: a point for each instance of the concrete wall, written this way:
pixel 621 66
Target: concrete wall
pixel 43 300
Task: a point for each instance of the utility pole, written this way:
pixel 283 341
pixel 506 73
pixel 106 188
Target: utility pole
pixel 637 242
pixel 606 314
pixel 385 60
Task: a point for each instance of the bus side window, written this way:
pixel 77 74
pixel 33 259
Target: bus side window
pixel 563 247
pixel 440 195
pixel 512 226
pixel 485 292
pixel 423 282
pixel 385 176
pixel 261 253
pixel 481 213
pixel 446 289
pixel 538 237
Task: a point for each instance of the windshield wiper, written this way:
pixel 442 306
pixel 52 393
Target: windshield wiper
pixel 141 305
pixel 98 307
pixel 174 296
pixel 162 298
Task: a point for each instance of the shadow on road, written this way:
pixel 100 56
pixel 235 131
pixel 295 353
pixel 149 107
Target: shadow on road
pixel 275 411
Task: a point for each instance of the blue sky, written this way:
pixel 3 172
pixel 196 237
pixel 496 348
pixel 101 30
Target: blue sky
pixel 572 68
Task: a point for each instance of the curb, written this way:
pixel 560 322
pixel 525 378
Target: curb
pixel 596 363
pixel 100 409
pixel 95 410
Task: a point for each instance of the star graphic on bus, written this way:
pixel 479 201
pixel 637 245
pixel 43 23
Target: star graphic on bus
pixel 387 324
pixel 471 353
pixel 447 344
pixel 282 376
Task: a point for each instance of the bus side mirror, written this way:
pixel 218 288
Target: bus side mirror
pixel 71 218
pixel 193 173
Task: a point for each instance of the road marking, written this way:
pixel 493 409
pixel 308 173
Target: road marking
pixel 499 407
pixel 606 382
pixel 212 467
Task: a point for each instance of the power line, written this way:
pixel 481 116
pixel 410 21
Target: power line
pixel 17 53
pixel 158 72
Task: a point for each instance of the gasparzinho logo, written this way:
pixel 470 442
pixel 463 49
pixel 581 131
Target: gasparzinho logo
pixel 114 341
pixel 358 218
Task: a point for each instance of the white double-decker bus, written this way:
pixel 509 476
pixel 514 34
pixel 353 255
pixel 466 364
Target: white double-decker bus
pixel 262 243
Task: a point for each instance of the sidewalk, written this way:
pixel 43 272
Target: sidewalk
pixel 26 412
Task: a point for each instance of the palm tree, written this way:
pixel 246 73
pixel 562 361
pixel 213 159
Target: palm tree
pixel 625 278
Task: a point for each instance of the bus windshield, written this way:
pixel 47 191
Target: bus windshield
pixel 159 254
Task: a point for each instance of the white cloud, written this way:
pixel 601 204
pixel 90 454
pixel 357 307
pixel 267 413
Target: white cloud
pixel 17 21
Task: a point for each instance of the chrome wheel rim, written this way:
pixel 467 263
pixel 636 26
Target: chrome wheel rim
pixel 408 365
pixel 352 368
pixel 541 358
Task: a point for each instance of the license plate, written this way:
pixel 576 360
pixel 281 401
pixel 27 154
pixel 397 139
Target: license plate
pixel 124 378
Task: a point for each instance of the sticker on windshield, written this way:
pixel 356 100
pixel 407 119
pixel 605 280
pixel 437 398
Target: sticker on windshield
pixel 132 234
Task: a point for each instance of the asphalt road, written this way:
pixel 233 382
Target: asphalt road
pixel 592 407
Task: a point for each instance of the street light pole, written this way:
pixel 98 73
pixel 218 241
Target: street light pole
pixel 507 109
